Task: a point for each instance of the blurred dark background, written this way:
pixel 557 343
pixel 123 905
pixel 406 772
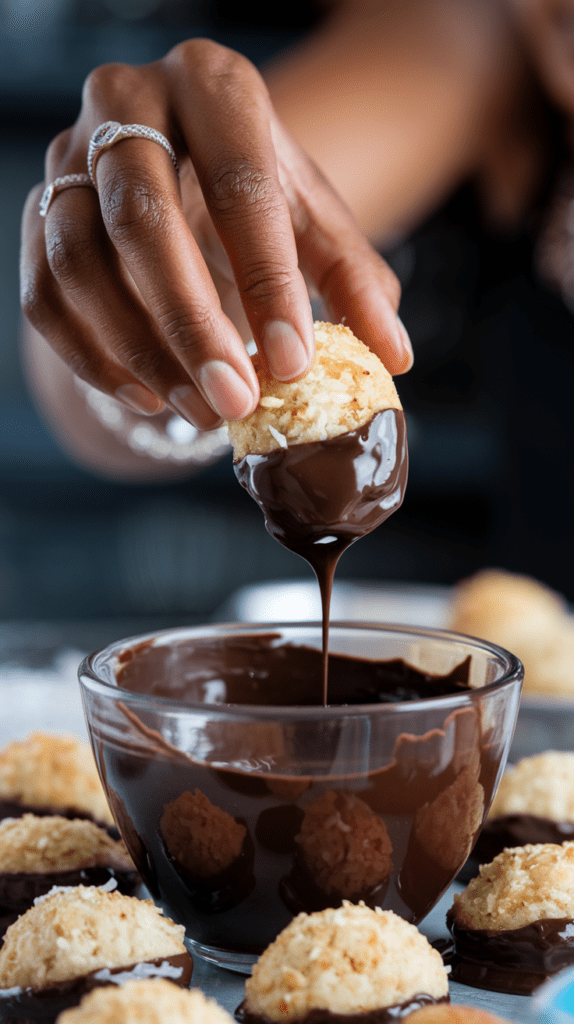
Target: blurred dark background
pixel 488 403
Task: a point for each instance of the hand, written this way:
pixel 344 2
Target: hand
pixel 141 286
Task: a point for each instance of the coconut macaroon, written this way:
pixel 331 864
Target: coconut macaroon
pixel 541 785
pixel 53 772
pixel 524 616
pixel 345 387
pixel 32 844
pixel 147 1001
pixel 202 838
pixel 344 845
pixel 522 885
pixel 70 933
pixel 347 960
pixel 37 853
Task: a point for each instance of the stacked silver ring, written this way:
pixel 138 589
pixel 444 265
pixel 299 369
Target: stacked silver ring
pixel 110 132
pixel 58 185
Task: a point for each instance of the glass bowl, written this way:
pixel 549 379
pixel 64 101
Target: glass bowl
pixel 240 815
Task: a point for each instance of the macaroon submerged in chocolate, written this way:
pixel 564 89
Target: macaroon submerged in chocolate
pixel 73 940
pixel 146 1001
pixel 513 926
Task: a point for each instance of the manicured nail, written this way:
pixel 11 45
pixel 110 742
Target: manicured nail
pixel 225 390
pixel 285 351
pixel 139 399
pixel 191 405
pixel 406 344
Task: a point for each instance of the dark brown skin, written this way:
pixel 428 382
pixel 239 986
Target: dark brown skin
pixel 147 288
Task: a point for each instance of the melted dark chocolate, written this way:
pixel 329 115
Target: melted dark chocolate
pixel 384 1015
pixel 23 1005
pixel 260 669
pixel 516 960
pixel 320 497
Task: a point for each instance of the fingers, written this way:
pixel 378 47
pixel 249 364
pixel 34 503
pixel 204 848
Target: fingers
pixel 356 284
pixel 224 112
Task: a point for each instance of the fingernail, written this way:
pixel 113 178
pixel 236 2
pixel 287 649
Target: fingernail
pixel 188 402
pixel 284 350
pixel 225 390
pixel 139 399
pixel 406 344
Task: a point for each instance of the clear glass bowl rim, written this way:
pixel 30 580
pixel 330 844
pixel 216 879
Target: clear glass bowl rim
pixel 168 707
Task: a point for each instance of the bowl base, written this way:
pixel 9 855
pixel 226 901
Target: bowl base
pixel 227 958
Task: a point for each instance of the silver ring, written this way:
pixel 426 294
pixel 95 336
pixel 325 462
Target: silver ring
pixel 110 132
pixel 58 185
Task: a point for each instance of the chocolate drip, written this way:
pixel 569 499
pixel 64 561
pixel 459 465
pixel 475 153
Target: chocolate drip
pixel 515 960
pixel 320 497
pixel 383 1015
pixel 31 1005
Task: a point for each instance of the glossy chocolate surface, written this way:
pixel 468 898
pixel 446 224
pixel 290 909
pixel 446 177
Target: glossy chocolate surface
pixel 45 1004
pixel 319 497
pixel 384 1015
pixel 516 960
pixel 276 874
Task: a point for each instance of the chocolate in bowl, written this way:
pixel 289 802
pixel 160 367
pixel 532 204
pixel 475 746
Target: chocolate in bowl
pixel 232 717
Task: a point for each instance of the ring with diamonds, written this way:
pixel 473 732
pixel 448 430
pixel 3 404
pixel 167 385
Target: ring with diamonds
pixel 58 185
pixel 110 132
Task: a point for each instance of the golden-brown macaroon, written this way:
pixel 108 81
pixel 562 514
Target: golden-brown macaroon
pixel 540 785
pixel 147 1001
pixel 521 885
pixel 52 772
pixel 37 853
pixel 347 960
pixel 346 385
pixel 512 925
pixel 70 933
pixel 525 617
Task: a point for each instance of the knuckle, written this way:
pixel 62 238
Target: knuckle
pixel 109 84
pixel 233 182
pixel 58 148
pixel 209 60
pixel 70 251
pixel 184 329
pixel 263 283
pixel 131 203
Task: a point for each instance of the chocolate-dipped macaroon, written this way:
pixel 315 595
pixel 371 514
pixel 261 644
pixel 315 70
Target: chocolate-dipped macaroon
pixel 325 457
pixel 534 804
pixel 350 965
pixel 37 853
pixel 75 939
pixel 149 1001
pixel 513 925
pixel 47 773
